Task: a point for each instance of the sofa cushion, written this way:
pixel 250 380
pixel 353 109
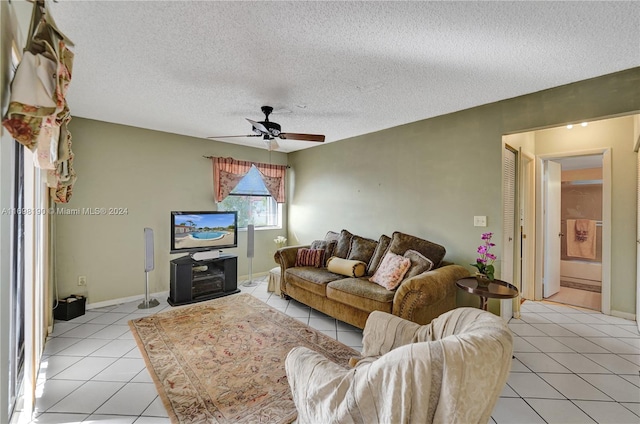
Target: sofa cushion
pixel 378 254
pixel 331 235
pixel 361 294
pixel 361 249
pixel 419 263
pixel 348 267
pixel 401 242
pixel 344 243
pixel 327 246
pixel 310 278
pixel 391 271
pixel 310 257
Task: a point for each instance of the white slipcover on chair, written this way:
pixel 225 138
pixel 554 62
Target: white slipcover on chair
pixel 449 371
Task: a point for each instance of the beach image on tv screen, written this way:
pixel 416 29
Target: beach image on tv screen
pixel 203 230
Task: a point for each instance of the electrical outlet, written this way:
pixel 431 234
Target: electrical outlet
pixel 479 221
pixel 82 280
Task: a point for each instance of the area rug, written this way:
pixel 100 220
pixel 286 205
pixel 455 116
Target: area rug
pixel 222 361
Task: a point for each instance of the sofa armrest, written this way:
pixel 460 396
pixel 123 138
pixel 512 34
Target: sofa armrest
pixel 427 295
pixel 286 256
pixel 384 332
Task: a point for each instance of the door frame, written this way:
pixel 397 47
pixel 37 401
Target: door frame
pixel 636 148
pixel 606 221
pixel 508 307
pixel 526 215
pixel 551 215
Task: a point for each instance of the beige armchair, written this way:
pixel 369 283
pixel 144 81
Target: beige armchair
pixel 449 371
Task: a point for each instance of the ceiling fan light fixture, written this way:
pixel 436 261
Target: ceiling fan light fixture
pixel 272 144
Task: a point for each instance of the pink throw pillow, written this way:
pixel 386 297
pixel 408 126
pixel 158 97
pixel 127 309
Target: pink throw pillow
pixel 391 271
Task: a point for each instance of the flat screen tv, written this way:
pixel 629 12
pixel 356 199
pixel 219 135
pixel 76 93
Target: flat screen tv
pixel 200 231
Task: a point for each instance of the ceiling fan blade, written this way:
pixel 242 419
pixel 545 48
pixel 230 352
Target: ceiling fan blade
pixel 258 126
pixel 229 136
pixel 305 137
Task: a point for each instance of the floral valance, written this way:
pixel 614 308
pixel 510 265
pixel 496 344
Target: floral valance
pixel 227 173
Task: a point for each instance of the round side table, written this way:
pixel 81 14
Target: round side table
pixel 497 289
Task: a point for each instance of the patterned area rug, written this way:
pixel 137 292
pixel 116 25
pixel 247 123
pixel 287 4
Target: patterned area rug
pixel 222 361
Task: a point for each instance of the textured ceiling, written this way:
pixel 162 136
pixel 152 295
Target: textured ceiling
pixel 341 69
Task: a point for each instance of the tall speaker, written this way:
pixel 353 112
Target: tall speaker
pixel 148 249
pixel 148 266
pixel 250 250
pixel 250 240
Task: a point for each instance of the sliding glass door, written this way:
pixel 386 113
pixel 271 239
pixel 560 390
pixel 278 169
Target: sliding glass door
pixel 17 326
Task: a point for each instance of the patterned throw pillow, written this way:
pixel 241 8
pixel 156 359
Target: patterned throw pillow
pixel 328 246
pixel 331 235
pixel 401 242
pixel 391 271
pixel 344 243
pixel 419 263
pixel 310 257
pixel 378 254
pixel 361 249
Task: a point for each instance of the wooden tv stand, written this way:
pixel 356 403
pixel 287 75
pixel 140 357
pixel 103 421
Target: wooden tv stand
pixel 194 281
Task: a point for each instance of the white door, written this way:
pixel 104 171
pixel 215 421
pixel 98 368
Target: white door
pixel 552 234
pixel 508 226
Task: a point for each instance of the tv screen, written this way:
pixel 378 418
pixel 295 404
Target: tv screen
pixel 198 231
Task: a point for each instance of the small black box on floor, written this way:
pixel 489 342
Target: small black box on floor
pixel 70 307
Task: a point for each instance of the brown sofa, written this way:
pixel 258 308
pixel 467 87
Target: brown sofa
pixel 420 297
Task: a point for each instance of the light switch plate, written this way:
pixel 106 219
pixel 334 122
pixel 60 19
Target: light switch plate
pixel 479 221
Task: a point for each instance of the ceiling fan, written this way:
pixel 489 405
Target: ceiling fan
pixel 270 130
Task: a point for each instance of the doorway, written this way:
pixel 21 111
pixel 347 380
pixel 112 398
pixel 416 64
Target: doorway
pixel 573 194
pixel 605 138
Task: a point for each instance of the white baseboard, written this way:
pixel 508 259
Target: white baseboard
pixel 112 302
pixel 158 295
pixel 625 315
pixel 255 275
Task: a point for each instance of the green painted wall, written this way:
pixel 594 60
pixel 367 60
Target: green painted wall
pixel 429 178
pixel 150 173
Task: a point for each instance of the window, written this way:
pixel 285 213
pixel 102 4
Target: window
pixel 253 202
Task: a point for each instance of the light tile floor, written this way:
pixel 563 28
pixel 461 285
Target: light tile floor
pixel 571 365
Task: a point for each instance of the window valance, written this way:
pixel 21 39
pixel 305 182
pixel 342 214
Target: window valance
pixel 227 173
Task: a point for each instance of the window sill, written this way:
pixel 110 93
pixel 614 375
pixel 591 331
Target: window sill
pixel 274 227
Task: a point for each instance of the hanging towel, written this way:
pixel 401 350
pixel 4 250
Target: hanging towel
pixel 581 238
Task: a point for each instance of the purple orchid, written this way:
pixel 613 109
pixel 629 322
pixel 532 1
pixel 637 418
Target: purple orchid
pixel 484 263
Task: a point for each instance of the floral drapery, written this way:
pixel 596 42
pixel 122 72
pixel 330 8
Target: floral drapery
pixel 38 114
pixel 227 173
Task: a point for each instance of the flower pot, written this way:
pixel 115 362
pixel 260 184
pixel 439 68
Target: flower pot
pixel 482 279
